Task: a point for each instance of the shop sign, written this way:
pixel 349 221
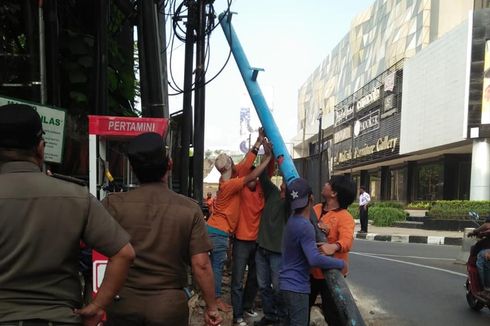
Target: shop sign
pixel 368 99
pixel 342 135
pixel 367 123
pixel 53 121
pixel 344 113
pixel 382 144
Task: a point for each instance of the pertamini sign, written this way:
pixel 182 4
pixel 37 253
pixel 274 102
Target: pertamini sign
pixel 53 121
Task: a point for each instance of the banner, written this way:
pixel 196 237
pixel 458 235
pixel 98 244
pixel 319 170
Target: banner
pixel 53 121
pixel 485 105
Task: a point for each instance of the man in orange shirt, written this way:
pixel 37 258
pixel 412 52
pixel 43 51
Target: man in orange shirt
pixel 224 219
pixel 209 200
pixel 244 248
pixel 338 225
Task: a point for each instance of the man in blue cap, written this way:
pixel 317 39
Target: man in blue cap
pixel 42 220
pixel 299 253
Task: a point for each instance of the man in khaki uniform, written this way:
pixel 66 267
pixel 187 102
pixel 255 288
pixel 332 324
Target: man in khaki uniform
pixel 168 233
pixel 42 220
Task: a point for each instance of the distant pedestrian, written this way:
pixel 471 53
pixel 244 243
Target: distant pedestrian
pixel 169 233
pixel 300 253
pixel 364 200
pixel 42 220
pixel 209 200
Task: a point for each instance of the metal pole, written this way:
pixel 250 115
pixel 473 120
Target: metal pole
pixel 42 54
pixel 187 102
pixel 163 61
pixel 344 310
pixel 320 148
pixel 249 76
pixel 154 107
pixel 199 103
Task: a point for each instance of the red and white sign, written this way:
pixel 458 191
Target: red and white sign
pixel 125 126
pixel 99 265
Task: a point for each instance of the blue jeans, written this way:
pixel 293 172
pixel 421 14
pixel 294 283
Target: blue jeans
pixel 297 306
pixel 218 257
pixel 243 255
pixel 483 268
pixel 268 265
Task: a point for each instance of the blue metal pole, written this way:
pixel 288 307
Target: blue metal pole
pixel 249 76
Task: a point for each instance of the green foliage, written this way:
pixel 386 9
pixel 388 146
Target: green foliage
pixel 391 204
pixel 419 205
pixel 383 213
pixel 458 209
pixel 386 216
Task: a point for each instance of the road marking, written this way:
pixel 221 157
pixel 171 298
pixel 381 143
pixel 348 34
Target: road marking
pixel 409 263
pixel 415 257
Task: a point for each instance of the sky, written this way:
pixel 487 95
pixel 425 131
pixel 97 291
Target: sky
pixel 288 39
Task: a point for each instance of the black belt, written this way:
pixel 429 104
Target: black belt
pixel 32 322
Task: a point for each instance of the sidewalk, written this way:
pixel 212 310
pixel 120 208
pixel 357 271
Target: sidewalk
pixel 406 235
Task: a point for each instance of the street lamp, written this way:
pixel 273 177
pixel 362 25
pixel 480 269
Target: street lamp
pixel 320 148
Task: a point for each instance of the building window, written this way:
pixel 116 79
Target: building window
pixel 429 180
pixel 375 185
pixel 398 185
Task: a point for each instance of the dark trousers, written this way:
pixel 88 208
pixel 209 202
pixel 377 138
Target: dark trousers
pixel 156 308
pixel 330 313
pixel 363 216
pixel 297 308
pixel 243 255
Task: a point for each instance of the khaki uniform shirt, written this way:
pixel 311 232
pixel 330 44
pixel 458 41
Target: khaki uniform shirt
pixel 42 220
pixel 166 230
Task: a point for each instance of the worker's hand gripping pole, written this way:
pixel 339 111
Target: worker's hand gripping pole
pixel 249 76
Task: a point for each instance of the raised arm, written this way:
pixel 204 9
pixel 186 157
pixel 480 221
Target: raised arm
pixel 265 161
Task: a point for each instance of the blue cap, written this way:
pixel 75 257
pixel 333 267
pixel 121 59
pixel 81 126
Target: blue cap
pixel 299 192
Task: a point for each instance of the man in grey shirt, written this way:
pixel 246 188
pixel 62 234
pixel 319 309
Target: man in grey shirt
pixel 42 220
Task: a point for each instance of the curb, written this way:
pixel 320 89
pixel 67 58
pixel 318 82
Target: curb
pixel 452 241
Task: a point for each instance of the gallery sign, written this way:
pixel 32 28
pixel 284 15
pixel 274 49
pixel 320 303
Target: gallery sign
pixel 383 144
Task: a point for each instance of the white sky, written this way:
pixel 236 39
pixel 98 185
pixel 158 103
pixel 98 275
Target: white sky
pixel 288 38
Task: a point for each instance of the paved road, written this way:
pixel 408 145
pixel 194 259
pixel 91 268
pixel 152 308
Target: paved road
pixel 411 284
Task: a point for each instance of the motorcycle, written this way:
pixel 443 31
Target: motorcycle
pixel 473 285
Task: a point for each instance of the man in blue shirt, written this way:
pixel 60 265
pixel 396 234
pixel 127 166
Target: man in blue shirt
pixel 299 254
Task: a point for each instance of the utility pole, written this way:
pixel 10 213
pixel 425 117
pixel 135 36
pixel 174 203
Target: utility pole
pixel 187 101
pixel 199 103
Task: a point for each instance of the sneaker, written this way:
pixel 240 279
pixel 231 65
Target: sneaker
pixel 251 313
pixel 240 322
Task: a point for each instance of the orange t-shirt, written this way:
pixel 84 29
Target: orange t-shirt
pixel 243 167
pixel 251 206
pixel 227 205
pixel 341 226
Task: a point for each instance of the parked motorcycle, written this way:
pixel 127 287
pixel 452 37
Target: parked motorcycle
pixel 473 285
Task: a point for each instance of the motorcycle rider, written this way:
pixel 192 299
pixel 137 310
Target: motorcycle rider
pixel 483 256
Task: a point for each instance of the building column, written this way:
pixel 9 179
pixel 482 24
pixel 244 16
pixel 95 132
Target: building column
pixel 385 183
pixel 480 170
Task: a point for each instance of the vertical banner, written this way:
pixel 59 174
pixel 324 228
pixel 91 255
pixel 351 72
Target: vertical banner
pixel 485 105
